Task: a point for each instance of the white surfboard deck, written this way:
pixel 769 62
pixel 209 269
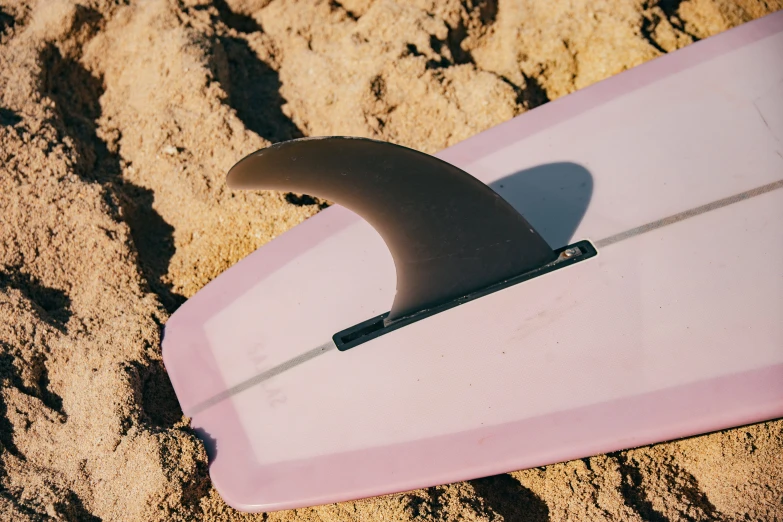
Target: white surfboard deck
pixel 674 170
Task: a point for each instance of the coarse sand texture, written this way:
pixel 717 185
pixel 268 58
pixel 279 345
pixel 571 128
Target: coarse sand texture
pixel 118 123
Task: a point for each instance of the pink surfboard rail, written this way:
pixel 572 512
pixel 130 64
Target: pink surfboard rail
pixel 673 169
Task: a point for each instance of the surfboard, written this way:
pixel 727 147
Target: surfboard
pixel 669 176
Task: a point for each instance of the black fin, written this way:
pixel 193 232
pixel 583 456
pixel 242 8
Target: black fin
pixel 449 234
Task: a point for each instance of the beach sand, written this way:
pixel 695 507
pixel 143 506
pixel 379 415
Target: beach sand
pixel 117 126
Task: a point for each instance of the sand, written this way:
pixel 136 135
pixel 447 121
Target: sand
pixel 118 122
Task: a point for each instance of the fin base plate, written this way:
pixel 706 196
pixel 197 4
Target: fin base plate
pixel 380 325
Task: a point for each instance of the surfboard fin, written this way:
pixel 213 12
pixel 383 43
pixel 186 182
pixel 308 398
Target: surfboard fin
pixel 449 234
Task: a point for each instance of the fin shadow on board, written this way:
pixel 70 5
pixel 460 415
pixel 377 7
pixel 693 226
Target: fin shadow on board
pixel 552 197
pixel 210 444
